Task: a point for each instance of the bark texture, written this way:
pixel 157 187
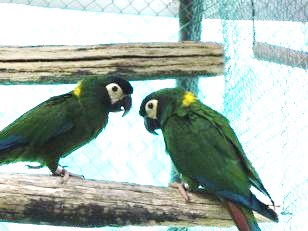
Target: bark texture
pixel 68 64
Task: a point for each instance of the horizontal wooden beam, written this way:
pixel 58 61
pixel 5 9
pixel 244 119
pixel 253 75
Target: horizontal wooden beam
pixel 280 55
pixel 67 64
pixel 42 199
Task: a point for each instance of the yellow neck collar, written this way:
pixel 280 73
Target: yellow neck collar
pixel 188 99
pixel 77 90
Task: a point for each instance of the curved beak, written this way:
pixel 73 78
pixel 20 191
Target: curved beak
pixel 124 104
pixel 151 125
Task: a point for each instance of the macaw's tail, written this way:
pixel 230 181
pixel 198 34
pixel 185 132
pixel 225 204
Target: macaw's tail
pixel 251 202
pixel 242 217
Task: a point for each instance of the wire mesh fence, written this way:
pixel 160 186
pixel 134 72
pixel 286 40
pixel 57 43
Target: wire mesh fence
pixel 264 100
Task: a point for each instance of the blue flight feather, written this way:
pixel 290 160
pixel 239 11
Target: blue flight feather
pixel 11 141
pixel 250 201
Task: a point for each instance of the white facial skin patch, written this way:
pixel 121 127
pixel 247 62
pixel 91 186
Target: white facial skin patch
pixel 151 108
pixel 115 92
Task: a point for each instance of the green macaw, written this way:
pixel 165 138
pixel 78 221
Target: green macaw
pixel 207 153
pixel 62 124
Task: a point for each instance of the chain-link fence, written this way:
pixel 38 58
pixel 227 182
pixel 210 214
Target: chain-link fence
pixel 264 100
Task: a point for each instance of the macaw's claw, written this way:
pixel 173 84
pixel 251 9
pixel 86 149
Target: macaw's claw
pixel 182 190
pixel 65 174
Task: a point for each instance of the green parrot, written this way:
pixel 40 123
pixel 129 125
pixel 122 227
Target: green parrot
pixel 62 124
pixel 207 153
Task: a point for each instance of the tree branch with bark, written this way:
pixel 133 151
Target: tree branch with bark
pixel 42 199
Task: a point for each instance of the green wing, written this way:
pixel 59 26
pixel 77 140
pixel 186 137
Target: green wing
pixel 223 126
pixel 202 155
pixel 37 126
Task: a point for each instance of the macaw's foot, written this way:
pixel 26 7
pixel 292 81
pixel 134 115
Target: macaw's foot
pixel 274 207
pixel 181 188
pixel 65 174
pixel 34 167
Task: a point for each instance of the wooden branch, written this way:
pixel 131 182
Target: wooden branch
pixel 67 64
pixel 42 199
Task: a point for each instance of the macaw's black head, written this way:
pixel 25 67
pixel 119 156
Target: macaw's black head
pixel 113 92
pixel 119 92
pixel 158 106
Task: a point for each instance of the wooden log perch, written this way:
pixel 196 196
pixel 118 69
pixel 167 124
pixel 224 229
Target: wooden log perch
pixel 67 64
pixel 42 199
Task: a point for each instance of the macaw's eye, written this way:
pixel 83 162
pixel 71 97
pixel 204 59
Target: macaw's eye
pixel 114 88
pixel 150 105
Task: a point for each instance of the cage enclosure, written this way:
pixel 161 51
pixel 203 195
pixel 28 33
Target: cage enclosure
pixel 246 59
